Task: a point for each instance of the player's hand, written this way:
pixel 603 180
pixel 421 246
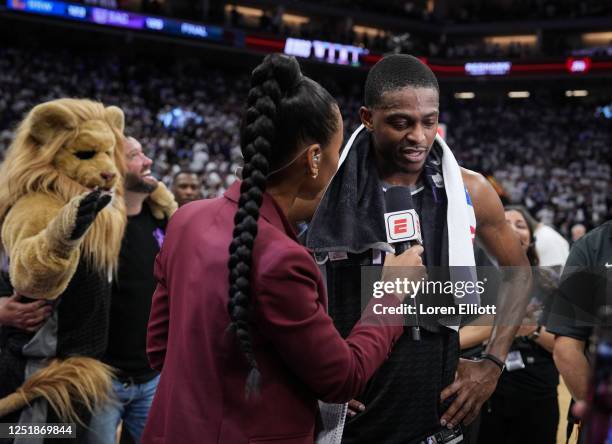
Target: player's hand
pixel 475 382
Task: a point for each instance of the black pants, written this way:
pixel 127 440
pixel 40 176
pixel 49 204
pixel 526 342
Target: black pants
pixel 470 433
pixel 508 420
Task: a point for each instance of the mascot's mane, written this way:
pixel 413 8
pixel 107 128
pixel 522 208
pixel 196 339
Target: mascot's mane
pixel 28 168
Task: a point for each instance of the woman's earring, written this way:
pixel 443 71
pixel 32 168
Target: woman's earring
pixel 316 159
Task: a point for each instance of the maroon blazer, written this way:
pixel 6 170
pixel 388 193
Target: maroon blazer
pixel 301 355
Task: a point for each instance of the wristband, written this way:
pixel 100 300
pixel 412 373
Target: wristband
pixel 495 360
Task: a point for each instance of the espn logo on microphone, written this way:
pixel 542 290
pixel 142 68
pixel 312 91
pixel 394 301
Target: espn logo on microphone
pixel 403 226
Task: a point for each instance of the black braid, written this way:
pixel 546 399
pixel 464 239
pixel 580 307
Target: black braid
pixel 269 83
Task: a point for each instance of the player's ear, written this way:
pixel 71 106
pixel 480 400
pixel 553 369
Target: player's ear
pixel 366 118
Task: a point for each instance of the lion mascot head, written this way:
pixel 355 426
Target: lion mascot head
pixel 63 148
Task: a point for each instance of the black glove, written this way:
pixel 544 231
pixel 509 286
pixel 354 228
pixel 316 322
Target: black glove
pixel 89 207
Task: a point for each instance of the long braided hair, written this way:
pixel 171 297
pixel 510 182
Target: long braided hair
pixel 284 109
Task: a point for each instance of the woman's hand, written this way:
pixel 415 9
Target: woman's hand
pixel 408 265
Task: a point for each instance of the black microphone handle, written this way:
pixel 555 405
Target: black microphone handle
pixel 400 247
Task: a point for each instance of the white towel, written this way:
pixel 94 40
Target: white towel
pixel 461 223
pixel 460 216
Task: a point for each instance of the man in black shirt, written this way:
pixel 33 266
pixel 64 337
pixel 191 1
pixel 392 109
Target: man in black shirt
pixel 586 286
pixel 148 205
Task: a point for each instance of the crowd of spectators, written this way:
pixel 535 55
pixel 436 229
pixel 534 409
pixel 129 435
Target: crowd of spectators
pixel 148 95
pixel 555 159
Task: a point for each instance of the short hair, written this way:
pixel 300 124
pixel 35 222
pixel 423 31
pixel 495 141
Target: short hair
pixel 183 172
pixel 395 72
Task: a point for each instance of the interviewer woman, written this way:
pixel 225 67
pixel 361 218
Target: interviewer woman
pixel 242 338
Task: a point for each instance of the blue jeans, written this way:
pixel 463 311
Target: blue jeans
pixel 134 402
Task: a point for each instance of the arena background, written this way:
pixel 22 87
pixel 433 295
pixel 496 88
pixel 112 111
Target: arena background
pixel 526 96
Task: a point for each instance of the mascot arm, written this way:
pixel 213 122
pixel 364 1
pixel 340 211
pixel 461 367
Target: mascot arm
pixel 42 238
pixel 162 203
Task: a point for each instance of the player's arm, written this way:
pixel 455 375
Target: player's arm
pixel 476 381
pixel 501 243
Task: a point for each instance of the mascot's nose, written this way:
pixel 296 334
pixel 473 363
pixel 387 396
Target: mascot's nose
pixel 107 176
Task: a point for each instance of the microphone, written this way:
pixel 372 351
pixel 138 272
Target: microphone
pixel 401 219
pixel 403 230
